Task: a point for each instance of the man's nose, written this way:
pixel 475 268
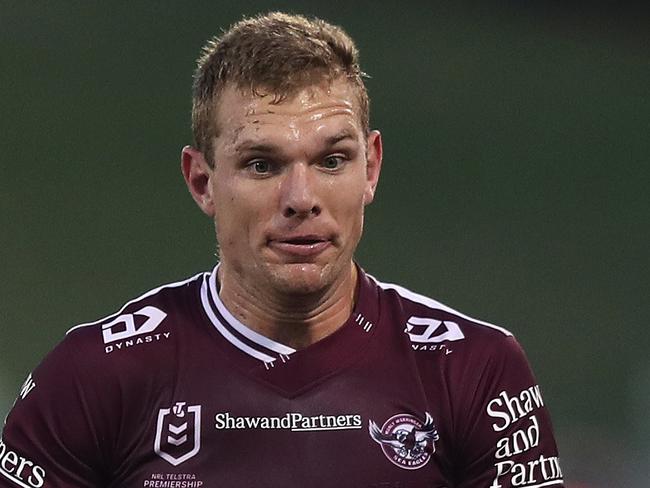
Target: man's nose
pixel 299 196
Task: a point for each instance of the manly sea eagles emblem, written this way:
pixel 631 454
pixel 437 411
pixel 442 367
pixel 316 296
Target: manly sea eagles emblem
pixel 178 433
pixel 405 440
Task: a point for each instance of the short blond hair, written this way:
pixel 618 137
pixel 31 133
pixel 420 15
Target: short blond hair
pixel 274 53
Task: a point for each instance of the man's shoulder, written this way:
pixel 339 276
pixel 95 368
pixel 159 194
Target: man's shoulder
pixel 153 317
pixel 125 355
pixel 428 321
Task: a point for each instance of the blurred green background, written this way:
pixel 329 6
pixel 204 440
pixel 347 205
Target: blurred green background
pixel 515 182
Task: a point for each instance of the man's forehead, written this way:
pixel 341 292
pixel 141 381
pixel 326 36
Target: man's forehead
pixel 331 106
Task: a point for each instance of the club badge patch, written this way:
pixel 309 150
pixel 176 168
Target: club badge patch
pixel 405 440
pixel 178 433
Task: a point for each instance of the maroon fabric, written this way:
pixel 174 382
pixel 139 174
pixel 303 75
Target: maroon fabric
pixel 407 393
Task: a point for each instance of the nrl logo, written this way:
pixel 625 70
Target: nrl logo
pixel 405 440
pixel 178 433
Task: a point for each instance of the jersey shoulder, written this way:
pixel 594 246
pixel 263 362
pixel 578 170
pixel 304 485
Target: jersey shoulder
pixel 428 322
pixel 124 356
pixel 102 375
pixel 152 318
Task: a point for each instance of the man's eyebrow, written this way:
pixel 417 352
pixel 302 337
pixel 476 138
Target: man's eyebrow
pixel 255 146
pixel 341 136
pixel 266 147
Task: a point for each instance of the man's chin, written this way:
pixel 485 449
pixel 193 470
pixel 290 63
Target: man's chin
pixel 300 278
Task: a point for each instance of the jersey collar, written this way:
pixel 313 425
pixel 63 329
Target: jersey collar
pixel 362 321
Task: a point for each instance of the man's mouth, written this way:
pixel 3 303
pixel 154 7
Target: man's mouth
pixel 303 241
pixel 303 246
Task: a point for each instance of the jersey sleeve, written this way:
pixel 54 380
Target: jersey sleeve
pixel 49 439
pixel 507 439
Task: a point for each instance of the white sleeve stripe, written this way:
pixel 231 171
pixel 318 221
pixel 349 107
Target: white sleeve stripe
pixel 141 297
pixel 431 303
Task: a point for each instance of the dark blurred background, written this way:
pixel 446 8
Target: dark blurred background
pixel 514 188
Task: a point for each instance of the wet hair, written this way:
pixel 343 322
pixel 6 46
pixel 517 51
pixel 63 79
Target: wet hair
pixel 274 54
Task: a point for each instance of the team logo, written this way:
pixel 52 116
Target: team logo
pixel 125 326
pixel 405 440
pixel 428 330
pixel 178 433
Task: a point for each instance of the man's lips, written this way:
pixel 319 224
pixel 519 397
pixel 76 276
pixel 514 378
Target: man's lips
pixel 302 245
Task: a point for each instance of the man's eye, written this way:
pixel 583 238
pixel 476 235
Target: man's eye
pixel 332 162
pixel 260 166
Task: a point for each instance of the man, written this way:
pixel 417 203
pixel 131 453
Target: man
pixel 286 365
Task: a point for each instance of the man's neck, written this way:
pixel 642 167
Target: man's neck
pixel 295 321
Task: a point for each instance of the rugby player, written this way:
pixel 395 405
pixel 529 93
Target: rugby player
pixel 287 365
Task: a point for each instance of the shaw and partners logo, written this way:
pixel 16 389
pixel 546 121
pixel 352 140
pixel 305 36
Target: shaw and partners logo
pixel 20 470
pixel 178 433
pixel 293 421
pixel 405 440
pixel 133 329
pixel 517 458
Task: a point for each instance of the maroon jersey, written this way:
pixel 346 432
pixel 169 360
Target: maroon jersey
pixel 174 392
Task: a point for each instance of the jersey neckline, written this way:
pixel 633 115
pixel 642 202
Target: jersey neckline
pixel 285 368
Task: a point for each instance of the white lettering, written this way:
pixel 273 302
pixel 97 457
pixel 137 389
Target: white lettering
pixel 132 343
pixel 17 468
pixel 285 423
pixel 23 462
pixel 519 441
pixel 37 478
pixel 511 409
pixel 295 419
pixel 28 386
pixel 494 413
pixel 9 462
pixel 291 421
pixel 252 422
pixel 543 469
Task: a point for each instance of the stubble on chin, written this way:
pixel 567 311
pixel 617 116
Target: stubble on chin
pixel 300 279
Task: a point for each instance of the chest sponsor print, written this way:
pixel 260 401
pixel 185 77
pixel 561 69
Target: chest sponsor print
pixel 20 470
pixel 518 461
pixel 292 421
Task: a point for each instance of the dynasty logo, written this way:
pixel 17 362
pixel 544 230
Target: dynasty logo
pixel 133 329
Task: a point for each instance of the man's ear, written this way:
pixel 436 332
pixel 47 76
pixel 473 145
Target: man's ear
pixel 373 165
pixel 197 173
